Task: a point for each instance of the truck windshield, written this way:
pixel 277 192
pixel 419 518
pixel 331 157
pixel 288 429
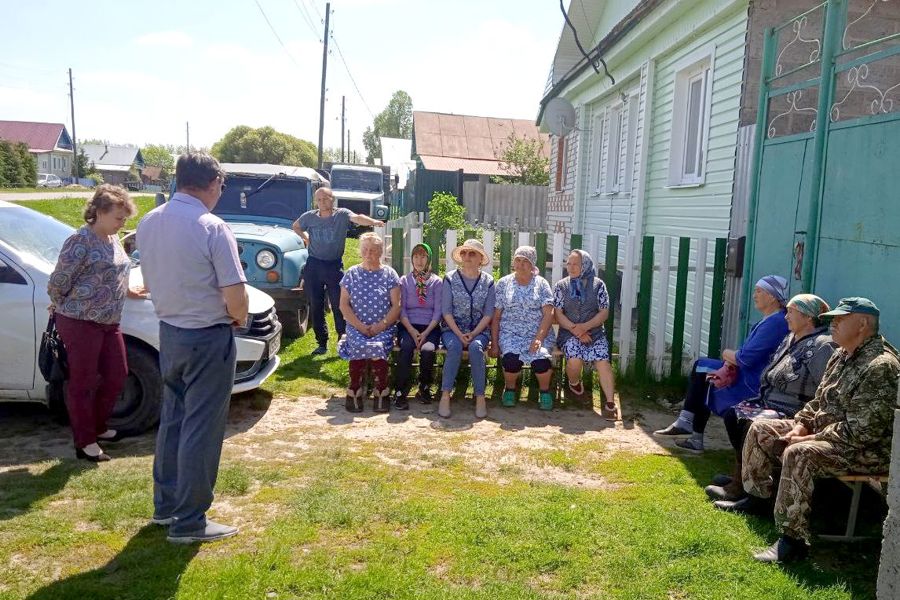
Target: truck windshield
pixel 32 233
pixel 356 181
pixel 281 199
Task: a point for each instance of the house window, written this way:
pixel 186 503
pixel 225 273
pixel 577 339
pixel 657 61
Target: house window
pixel 44 165
pixel 690 120
pixel 561 147
pixel 621 145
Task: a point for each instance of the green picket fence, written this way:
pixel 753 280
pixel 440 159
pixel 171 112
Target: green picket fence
pixel 664 335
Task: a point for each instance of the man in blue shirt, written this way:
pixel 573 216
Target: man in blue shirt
pixel 324 231
pixel 191 267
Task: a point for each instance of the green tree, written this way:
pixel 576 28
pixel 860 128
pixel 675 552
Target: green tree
pixel 524 159
pixel 244 144
pixel 157 155
pixel 80 165
pixel 29 165
pixel 395 121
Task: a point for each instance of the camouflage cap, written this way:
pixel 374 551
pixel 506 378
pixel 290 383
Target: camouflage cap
pixel 854 304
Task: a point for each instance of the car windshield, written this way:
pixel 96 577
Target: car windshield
pixel 280 199
pixel 357 181
pixel 30 232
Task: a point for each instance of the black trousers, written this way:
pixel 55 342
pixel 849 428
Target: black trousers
pixel 737 430
pixel 321 277
pixel 426 359
pixel 695 399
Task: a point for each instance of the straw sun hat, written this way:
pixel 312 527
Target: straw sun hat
pixel 456 255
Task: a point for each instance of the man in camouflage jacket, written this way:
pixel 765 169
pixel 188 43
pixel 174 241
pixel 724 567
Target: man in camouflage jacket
pixel 846 428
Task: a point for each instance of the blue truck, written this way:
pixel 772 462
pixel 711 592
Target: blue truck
pixel 260 203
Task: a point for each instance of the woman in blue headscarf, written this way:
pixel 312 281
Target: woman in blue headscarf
pixel 581 307
pixel 716 385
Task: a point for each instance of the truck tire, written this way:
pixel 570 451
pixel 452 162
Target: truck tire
pixel 138 406
pixel 294 323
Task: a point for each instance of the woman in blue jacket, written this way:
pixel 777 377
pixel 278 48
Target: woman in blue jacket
pixel 717 385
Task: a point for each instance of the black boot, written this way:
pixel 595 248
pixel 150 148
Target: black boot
pixel 786 549
pixel 731 487
pixel 748 505
pixel 382 400
pixel 354 401
pixel 424 395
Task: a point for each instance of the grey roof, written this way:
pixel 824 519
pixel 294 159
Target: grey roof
pixel 109 154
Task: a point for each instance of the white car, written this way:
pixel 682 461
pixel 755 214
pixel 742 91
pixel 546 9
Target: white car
pixel 29 247
pixel 48 180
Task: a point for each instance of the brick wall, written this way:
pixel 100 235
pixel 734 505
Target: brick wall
pixel 561 203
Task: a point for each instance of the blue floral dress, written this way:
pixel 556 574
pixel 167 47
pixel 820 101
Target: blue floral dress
pixel 370 297
pixel 522 307
pixel 575 348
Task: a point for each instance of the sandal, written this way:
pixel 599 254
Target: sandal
pixel 578 391
pixel 611 411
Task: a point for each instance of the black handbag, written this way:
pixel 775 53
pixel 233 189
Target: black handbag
pixel 52 355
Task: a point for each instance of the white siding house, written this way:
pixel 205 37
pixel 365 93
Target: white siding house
pixel 654 153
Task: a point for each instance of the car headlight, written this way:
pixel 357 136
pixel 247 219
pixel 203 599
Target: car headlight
pixel 265 259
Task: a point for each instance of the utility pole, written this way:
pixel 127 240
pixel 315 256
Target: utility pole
pixel 343 101
pixel 348 145
pixel 324 70
pixel 75 173
pixel 187 131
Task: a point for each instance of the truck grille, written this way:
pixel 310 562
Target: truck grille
pixel 360 207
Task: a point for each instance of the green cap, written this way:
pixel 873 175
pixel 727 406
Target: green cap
pixel 855 304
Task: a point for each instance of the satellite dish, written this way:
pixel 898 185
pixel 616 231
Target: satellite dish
pixel 560 116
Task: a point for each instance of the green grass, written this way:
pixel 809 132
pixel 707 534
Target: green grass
pixel 71 210
pixel 41 190
pixel 337 523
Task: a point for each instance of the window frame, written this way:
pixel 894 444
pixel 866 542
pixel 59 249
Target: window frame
pixel 562 147
pixel 699 65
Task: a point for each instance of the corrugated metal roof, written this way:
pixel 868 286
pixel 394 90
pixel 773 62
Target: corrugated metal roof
pixel 40 137
pixel 472 166
pixel 110 154
pixel 468 142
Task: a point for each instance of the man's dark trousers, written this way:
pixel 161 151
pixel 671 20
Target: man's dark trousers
pixel 198 373
pixel 321 277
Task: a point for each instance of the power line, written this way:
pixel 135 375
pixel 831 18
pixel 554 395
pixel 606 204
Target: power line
pixel 307 18
pixel 316 8
pixel 350 74
pixel 275 33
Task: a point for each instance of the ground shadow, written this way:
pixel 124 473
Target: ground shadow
pixel 20 489
pixel 147 567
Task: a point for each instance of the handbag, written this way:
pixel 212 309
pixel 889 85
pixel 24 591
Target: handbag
pixel 725 376
pixel 52 359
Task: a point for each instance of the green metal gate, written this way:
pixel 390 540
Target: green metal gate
pixel 824 207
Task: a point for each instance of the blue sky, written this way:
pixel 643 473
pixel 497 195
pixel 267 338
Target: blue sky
pixel 142 70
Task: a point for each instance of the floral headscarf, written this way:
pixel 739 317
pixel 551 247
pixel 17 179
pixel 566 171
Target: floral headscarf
pixel 810 305
pixel 422 277
pixel 578 284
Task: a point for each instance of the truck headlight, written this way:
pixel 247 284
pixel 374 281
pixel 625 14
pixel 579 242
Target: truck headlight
pixel 265 259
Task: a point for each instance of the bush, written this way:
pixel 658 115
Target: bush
pixel 17 167
pixel 444 213
pixel 97 178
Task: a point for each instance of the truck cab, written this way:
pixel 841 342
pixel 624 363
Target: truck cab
pixel 361 189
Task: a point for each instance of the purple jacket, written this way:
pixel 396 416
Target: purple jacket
pixel 417 313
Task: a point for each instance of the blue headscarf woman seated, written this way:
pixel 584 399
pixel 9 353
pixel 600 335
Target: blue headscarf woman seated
pixel 581 308
pixel 717 385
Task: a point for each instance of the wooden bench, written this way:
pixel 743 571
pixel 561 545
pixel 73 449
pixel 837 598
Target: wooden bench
pixel 855 482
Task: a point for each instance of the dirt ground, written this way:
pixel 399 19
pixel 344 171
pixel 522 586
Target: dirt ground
pixel 511 441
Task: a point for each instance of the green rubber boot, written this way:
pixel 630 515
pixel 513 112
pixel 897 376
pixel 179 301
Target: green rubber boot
pixel 545 401
pixel 509 398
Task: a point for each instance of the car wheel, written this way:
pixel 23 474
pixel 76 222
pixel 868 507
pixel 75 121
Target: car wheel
pixel 294 323
pixel 137 408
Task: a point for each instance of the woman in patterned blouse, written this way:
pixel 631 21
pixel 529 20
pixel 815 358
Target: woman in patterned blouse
pixel 88 288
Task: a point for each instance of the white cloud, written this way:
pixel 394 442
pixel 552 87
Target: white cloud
pixel 169 39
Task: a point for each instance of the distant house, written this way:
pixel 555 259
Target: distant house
pixel 49 143
pixel 152 175
pixel 452 148
pixel 114 162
